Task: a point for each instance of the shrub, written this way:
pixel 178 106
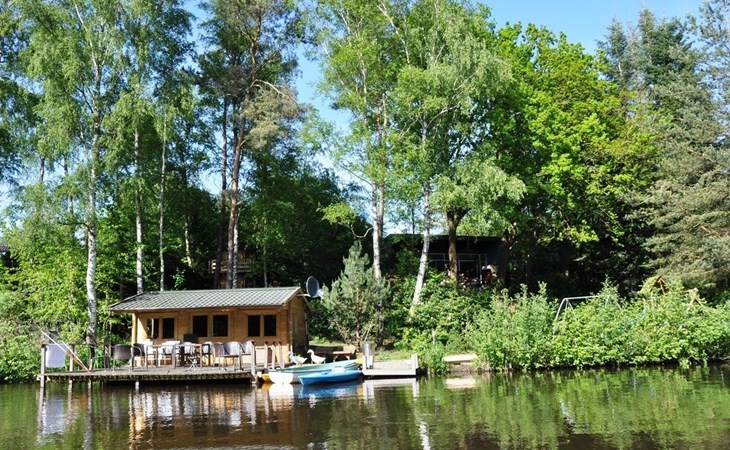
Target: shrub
pixel 514 333
pixel 591 333
pixel 19 354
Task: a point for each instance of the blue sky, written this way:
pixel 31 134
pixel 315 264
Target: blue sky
pixel 583 21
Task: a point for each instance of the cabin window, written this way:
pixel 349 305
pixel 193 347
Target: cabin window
pixel 200 326
pixel 168 328
pixel 270 325
pixel 153 328
pixel 266 323
pixel 254 326
pixel 220 325
pixel 161 328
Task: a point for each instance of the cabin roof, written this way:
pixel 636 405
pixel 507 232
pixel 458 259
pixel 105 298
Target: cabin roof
pixel 212 298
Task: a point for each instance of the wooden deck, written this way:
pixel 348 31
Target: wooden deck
pixel 392 369
pixel 152 375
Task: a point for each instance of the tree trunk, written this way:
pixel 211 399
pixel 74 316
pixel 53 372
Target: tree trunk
pixel 234 277
pixel 188 252
pixel 452 222
pixel 233 204
pixel 232 213
pixel 91 257
pixel 266 277
pixel 138 214
pixel 91 218
pixel 378 210
pixel 224 186
pixel 504 257
pixel 529 259
pixel 426 236
pixel 162 202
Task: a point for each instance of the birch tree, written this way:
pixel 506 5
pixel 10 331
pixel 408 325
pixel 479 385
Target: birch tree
pixel 76 55
pixel 360 60
pixel 443 95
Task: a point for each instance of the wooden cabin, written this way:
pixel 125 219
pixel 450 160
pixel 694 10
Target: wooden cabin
pixel 474 254
pixel 267 316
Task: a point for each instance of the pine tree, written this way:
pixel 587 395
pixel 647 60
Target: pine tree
pixel 354 303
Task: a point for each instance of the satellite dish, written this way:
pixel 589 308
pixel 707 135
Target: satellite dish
pixel 313 289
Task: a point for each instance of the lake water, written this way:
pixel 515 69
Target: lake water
pixel 628 409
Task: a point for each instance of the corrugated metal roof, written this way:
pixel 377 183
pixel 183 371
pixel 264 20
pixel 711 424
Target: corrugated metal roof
pixel 214 298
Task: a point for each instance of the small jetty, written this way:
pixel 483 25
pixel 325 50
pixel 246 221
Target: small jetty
pixel 391 368
pixel 73 370
pixel 460 358
pixel 60 363
pixel 151 375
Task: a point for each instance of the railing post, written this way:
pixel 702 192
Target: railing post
pixel 253 359
pixel 71 360
pixel 43 365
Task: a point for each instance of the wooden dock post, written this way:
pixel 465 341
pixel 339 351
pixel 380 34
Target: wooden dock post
pixel 43 366
pixel 253 361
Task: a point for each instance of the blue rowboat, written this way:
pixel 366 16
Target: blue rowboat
pixel 292 374
pixel 337 375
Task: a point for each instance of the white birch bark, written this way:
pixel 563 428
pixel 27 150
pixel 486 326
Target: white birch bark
pixel 138 219
pixel 162 202
pixel 426 236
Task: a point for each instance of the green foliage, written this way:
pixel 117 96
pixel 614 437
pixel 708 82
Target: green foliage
pixel 674 78
pixel 521 332
pixel 19 350
pixel 19 355
pixel 437 325
pixel 514 332
pixel 590 333
pixel 354 302
pixel 558 130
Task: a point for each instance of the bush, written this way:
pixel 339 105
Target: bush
pixel 19 354
pixel 435 326
pixel 522 332
pixel 514 333
pixel 443 314
pixel 591 333
pixel 355 300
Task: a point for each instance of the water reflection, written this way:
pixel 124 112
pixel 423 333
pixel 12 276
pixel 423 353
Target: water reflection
pixel 638 409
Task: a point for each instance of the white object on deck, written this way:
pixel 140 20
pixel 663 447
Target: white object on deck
pixel 56 355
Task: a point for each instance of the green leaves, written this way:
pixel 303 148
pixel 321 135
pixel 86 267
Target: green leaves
pixel 522 332
pixel 354 303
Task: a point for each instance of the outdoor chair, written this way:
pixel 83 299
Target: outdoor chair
pixel 232 350
pixel 166 351
pixel 122 352
pixel 207 352
pixel 248 353
pixel 148 351
pixel 138 351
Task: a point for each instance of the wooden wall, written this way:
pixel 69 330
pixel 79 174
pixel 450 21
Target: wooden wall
pixel 291 324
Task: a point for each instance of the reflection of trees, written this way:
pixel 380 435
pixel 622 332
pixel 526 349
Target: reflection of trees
pixel 661 408
pixel 636 408
pixel 384 417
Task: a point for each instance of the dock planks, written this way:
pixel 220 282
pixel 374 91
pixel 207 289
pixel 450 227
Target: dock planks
pixel 152 375
pixel 395 368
